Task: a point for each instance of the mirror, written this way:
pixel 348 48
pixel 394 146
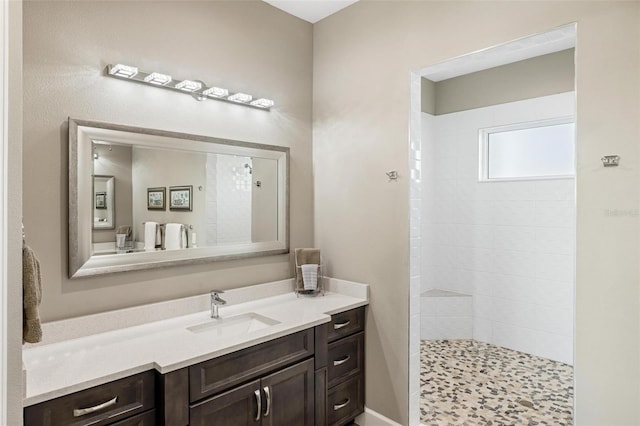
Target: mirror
pixel 103 206
pixel 181 199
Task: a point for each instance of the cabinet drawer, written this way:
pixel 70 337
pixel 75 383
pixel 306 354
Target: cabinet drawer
pixel 345 401
pixel 218 374
pixel 346 358
pixel 145 419
pixel 101 405
pixel 346 323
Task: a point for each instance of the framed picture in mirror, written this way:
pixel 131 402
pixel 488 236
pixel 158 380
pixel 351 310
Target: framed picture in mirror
pixel 101 200
pixel 180 198
pixel 155 198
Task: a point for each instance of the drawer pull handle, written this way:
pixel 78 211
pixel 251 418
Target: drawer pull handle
pixel 342 324
pixel 268 394
pixel 77 412
pixel 259 403
pixel 336 407
pixel 341 361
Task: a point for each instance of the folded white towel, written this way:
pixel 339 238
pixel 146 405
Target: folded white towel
pixel 150 235
pixel 175 236
pixel 310 276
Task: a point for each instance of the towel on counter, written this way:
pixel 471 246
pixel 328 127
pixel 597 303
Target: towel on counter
pixel 305 256
pixel 31 296
pixel 175 236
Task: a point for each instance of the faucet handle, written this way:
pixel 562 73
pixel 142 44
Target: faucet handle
pixel 215 296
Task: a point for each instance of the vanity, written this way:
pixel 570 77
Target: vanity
pixel 279 360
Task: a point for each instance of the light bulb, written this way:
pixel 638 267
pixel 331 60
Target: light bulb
pixel 158 79
pixel 242 98
pixel 263 103
pixel 216 92
pixel 189 85
pixel 121 70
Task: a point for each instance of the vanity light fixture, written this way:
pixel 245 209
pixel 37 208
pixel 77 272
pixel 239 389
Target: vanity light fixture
pixel 195 88
pixel 242 98
pixel 157 78
pixel 189 85
pixel 123 71
pixel 263 103
pixel 216 92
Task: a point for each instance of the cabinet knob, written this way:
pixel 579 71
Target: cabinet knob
pixel 268 395
pixel 77 412
pixel 336 407
pixel 342 324
pixel 341 361
pixel 259 403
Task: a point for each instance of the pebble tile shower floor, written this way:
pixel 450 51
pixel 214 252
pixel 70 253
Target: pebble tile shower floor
pixel 465 382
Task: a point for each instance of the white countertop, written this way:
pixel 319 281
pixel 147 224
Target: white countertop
pixel 64 367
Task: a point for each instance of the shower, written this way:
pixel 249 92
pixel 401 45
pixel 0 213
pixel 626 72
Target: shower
pixel 495 256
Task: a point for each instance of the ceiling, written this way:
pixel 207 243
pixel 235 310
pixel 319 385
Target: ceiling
pixel 311 10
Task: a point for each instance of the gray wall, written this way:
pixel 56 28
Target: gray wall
pixel 362 220
pixel 264 200
pixel 245 46
pixel 531 78
pixel 428 96
pixel 156 168
pixel 115 160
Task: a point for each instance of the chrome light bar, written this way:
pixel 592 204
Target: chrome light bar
pixel 195 88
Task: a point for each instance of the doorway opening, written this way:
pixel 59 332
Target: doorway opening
pixel 493 235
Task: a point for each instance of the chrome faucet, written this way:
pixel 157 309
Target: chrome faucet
pixel 216 301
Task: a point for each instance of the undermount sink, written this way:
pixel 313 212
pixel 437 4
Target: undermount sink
pixel 234 326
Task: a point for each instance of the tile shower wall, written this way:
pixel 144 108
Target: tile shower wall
pixel 212 201
pixel 446 315
pixel 508 244
pixel 233 183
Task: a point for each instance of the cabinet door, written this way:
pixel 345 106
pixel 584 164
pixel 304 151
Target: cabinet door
pixel 240 406
pixel 289 396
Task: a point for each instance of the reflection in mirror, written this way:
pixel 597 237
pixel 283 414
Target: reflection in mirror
pixel 103 202
pixel 181 198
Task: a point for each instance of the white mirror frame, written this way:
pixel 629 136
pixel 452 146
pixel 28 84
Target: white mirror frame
pixel 81 261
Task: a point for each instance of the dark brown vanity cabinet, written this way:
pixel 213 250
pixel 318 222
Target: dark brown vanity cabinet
pixel 340 367
pixel 312 377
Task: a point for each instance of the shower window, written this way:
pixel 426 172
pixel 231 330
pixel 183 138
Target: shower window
pixel 534 150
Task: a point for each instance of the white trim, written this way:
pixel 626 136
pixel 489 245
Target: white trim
pixel 373 418
pixel 4 52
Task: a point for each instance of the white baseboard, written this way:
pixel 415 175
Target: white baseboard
pixel 373 418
